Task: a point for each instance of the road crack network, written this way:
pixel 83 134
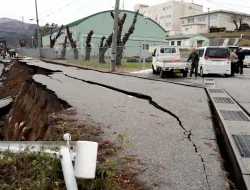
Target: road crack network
pixel 188 134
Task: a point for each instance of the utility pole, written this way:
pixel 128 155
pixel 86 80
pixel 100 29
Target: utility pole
pixel 114 37
pixel 38 32
pixel 208 20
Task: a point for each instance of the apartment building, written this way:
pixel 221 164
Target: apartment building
pixel 199 23
pixel 168 14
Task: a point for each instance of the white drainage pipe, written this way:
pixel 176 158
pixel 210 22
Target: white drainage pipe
pixel 86 156
pixel 67 167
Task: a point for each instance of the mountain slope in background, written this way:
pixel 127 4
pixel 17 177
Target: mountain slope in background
pixel 11 30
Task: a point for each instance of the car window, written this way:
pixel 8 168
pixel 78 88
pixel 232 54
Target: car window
pixel 217 52
pixel 200 52
pixel 166 50
pixel 246 51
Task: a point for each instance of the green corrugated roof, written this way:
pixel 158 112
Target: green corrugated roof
pixel 186 36
pixel 75 23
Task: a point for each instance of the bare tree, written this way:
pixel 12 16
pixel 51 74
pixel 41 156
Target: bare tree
pixel 64 48
pixel 22 42
pixel 72 43
pixel 238 21
pixel 104 47
pixel 120 48
pixel 88 45
pixel 53 40
pixel 234 19
pixel 120 41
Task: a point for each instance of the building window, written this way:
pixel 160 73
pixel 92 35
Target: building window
pixel 178 43
pixel 213 16
pixel 190 8
pixel 145 47
pixel 172 43
pixel 186 29
pixel 200 19
pixel 168 24
pixel 183 22
pixel 168 16
pixel 164 8
pixel 190 20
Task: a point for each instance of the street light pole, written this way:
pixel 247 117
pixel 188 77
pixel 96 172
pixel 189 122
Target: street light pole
pixel 144 46
pixel 114 37
pixel 32 42
pixel 38 32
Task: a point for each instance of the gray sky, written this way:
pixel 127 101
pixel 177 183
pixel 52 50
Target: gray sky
pixel 66 11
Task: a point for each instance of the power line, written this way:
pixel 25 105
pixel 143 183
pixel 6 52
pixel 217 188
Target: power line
pixel 237 6
pixel 91 1
pixel 59 9
pixel 42 12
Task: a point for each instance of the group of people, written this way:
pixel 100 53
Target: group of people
pixel 237 60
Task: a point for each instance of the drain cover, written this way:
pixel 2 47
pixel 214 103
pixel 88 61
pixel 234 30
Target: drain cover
pixel 216 91
pixel 243 144
pixel 221 100
pixel 209 79
pixel 209 84
pixel 234 115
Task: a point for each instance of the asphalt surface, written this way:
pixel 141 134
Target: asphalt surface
pixel 169 125
pixel 238 87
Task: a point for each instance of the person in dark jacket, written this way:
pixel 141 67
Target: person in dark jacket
pixel 241 58
pixel 194 57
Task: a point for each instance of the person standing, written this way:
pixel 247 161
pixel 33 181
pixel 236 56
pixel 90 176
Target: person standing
pixel 194 57
pixel 234 60
pixel 241 58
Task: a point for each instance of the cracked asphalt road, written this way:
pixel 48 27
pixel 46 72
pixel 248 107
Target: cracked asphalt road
pixel 177 156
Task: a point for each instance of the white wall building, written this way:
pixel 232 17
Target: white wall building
pixel 188 41
pixel 168 14
pixel 195 24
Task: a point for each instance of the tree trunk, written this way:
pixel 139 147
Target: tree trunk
pixel 102 51
pixel 75 53
pixel 64 48
pixel 88 52
pixel 63 53
pixel 119 54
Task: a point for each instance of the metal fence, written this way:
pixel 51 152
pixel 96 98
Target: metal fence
pixel 127 57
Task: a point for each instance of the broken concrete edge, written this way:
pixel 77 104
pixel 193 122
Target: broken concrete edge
pixel 122 74
pixel 5 106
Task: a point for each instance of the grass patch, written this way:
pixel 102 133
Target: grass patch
pixel 41 171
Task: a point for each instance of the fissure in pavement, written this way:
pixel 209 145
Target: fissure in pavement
pixel 187 133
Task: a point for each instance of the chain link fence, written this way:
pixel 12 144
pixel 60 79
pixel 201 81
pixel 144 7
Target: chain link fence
pixel 128 58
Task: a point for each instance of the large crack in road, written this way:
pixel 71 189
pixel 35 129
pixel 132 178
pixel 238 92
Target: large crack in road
pixel 187 134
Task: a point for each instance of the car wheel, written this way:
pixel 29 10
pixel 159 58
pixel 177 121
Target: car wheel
pixel 226 75
pixel 185 74
pixel 154 71
pixel 201 72
pixel 163 74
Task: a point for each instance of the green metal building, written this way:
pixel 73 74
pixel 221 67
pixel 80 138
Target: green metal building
pixel 146 32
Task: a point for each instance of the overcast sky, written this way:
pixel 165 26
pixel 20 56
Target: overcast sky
pixel 66 11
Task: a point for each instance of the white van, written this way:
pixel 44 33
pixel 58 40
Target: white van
pixel 166 60
pixel 247 56
pixel 214 60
